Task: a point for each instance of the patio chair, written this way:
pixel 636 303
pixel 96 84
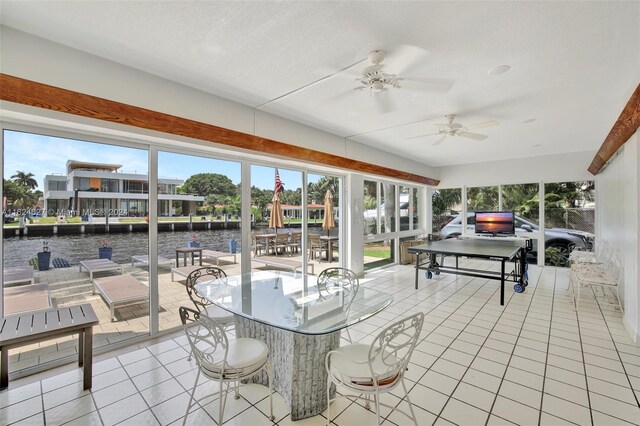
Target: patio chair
pixel 257 247
pixel 295 242
pixel 60 263
pixel 222 360
pixel 316 246
pixel 281 243
pixel 344 281
pixel 377 368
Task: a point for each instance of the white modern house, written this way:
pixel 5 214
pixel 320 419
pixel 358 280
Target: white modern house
pixel 396 97
pixel 98 189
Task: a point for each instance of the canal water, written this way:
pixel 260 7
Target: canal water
pixel 74 248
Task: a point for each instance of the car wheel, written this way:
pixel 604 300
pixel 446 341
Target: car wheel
pixel 565 251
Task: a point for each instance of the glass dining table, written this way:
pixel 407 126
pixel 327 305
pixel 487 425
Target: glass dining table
pixel 300 323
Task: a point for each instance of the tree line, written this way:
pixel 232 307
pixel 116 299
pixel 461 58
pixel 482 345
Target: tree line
pixel 222 196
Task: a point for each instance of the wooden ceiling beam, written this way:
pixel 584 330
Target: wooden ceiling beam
pixel 626 125
pixel 27 92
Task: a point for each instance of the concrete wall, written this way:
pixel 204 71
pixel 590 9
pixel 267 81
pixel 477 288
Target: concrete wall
pixel 617 221
pixel 549 168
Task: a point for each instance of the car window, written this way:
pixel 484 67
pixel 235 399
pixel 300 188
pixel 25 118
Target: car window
pixel 471 220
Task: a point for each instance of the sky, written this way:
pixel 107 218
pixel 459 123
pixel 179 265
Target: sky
pixel 43 155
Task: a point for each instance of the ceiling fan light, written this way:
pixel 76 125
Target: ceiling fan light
pixel 377 86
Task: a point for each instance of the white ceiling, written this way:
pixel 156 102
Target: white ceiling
pixel 573 65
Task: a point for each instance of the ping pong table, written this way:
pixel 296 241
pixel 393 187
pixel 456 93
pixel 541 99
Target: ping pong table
pixel 497 249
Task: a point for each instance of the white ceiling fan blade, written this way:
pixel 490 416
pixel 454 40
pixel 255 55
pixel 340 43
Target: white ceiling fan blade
pixel 476 136
pixel 439 141
pixel 404 57
pixel 483 125
pixel 383 101
pixel 422 136
pixel 436 85
pixel 443 126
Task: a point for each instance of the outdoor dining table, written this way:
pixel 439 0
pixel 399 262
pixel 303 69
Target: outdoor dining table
pixel 299 323
pixel 329 239
pixel 186 250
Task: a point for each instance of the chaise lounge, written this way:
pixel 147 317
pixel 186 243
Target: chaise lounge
pixel 120 290
pixel 26 298
pixel 18 274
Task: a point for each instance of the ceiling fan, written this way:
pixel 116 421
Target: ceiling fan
pixel 452 129
pixel 380 77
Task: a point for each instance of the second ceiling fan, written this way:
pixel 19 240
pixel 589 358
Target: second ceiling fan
pixel 453 129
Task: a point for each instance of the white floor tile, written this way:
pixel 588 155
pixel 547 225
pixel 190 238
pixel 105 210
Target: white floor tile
pixel 427 398
pixel 122 410
pixel 566 410
pixel 21 410
pixel 460 413
pixel 515 412
pixel 472 395
pixel 70 410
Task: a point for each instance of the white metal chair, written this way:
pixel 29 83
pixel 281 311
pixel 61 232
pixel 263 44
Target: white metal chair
pixel 218 277
pixel 224 361
pixel 377 368
pixel 343 280
pixel 602 273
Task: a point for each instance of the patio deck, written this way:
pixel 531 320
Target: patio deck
pixel 70 287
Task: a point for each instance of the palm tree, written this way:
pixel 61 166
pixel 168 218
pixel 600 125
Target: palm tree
pixel 25 179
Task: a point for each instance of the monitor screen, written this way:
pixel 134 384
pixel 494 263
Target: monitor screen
pixel 495 223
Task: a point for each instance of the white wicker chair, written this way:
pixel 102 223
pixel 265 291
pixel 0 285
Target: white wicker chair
pixel 224 361
pixel 377 368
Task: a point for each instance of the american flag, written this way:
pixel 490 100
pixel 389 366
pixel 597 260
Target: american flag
pixel 279 184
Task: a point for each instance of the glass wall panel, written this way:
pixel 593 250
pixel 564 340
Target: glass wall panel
pixel 323 193
pixel 406 215
pixel 569 219
pixel 378 253
pixel 203 213
pixel 387 208
pixel 524 201
pixel 415 209
pixel 78 225
pixel 446 206
pixel 482 198
pixel 276 197
pixel 370 207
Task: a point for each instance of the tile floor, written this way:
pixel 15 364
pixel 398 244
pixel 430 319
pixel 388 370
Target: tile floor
pixel 534 361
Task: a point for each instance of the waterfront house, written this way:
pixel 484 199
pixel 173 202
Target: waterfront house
pixel 98 189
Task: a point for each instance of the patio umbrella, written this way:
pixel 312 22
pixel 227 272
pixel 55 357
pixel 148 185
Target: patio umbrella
pixel 327 222
pixel 275 219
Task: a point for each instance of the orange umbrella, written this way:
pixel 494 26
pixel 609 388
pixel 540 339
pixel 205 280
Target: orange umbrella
pixel 327 222
pixel 275 219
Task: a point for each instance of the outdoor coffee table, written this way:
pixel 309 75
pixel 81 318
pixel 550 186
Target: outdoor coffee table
pixel 286 312
pixel 99 265
pixel 186 250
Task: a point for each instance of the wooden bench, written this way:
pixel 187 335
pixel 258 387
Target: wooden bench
pixel 279 262
pixel 21 330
